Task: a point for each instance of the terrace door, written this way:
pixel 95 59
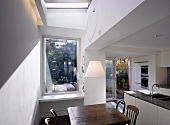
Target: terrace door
pixel 110 80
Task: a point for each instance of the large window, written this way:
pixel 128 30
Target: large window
pixel 60 65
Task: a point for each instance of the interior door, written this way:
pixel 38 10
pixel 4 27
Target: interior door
pixel 110 80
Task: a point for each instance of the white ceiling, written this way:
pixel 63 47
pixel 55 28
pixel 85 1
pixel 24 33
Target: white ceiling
pixel 144 37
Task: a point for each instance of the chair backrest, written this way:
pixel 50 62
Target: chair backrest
pixel 49 121
pixel 132 113
pixel 124 105
pixel 54 114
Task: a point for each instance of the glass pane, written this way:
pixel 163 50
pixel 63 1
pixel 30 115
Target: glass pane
pixel 122 78
pixel 110 85
pixel 61 65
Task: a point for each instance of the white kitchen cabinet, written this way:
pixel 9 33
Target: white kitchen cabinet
pixel 137 72
pixel 137 77
pixel 129 99
pixel 147 113
pixel 165 58
pixel 163 116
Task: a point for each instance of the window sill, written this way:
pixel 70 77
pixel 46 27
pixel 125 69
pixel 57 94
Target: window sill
pixel 48 98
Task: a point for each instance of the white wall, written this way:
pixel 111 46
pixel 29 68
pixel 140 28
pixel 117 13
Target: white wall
pixel 20 94
pixel 74 20
pixel 19 63
pixel 61 32
pixel 107 14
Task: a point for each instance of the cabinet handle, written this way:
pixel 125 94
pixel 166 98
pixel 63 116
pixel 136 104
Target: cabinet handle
pixel 137 83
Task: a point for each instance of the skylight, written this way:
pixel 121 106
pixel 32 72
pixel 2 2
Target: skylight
pixel 67 5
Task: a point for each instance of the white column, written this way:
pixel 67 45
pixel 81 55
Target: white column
pixel 95 84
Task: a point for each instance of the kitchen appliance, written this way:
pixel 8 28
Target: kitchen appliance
pixel 144 76
pixel 144 82
pixel 144 70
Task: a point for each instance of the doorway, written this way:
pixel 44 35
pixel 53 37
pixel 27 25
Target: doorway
pixel 122 76
pixel 117 78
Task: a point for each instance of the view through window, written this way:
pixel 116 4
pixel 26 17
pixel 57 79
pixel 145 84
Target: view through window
pixel 61 65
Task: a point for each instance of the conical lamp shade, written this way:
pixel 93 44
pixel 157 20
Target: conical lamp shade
pixel 95 69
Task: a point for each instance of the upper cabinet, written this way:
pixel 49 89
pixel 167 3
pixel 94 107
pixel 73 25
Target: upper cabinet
pixel 165 58
pixel 137 73
pixel 137 77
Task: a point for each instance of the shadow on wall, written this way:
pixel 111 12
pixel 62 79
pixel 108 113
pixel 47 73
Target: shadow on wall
pixel 18 36
pixel 11 61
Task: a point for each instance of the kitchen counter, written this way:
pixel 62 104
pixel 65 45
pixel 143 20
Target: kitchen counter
pixel 144 97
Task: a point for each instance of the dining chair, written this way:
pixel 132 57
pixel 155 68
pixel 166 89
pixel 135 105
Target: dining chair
pixel 54 114
pixel 122 103
pixel 132 113
pixel 49 121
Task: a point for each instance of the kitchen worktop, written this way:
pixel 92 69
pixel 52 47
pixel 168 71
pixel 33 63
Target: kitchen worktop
pixel 144 97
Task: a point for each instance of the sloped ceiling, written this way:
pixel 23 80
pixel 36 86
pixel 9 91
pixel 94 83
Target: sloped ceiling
pixel 136 30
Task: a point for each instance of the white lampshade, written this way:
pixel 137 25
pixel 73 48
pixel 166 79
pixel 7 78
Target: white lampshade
pixel 95 69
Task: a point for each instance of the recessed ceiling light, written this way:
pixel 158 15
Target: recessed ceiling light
pixel 157 35
pixel 67 5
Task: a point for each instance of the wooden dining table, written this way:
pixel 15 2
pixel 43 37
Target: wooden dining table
pixel 99 114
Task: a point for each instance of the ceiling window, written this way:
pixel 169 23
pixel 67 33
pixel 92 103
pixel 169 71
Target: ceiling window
pixel 67 5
